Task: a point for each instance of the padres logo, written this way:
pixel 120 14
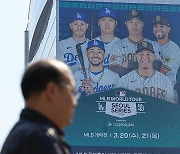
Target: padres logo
pixel 113 58
pixel 144 44
pixel 167 59
pixel 158 18
pixel 134 12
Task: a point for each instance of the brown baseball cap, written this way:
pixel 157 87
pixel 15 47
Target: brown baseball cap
pixel 145 45
pixel 134 14
pixel 160 20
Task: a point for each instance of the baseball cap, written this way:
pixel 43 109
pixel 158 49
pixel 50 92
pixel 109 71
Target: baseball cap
pixel 79 16
pixel 107 12
pixel 95 43
pixel 134 14
pixel 160 20
pixel 145 45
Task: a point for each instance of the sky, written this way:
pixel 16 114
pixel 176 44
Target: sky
pixel 14 19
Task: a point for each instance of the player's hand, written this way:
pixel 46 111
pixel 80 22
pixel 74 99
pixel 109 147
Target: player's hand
pixel 125 63
pixel 87 87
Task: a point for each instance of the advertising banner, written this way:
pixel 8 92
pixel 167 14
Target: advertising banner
pixel 125 60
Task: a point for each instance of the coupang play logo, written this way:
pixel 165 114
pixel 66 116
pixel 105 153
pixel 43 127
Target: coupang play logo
pixel 120 105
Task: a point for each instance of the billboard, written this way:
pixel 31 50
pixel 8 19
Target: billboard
pixel 126 77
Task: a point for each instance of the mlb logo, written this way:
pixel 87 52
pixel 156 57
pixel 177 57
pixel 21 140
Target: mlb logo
pixel 122 93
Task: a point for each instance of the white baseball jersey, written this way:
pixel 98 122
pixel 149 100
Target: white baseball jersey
pixel 108 49
pixel 68 54
pixel 170 54
pixel 104 81
pixel 126 50
pixel 158 85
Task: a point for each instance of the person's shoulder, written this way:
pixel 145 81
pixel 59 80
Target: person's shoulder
pixel 161 75
pixel 70 39
pixel 130 74
pixel 173 44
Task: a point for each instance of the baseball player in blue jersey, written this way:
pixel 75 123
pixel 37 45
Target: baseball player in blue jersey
pixel 125 52
pixel 145 79
pixel 169 50
pixel 99 79
pixel 107 22
pixel 67 48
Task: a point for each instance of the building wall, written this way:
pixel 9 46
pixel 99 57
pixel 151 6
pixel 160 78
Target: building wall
pixel 47 48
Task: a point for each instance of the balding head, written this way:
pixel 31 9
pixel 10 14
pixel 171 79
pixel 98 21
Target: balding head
pixel 39 74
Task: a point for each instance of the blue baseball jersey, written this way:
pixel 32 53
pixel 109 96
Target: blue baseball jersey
pixel 104 81
pixel 108 50
pixel 67 53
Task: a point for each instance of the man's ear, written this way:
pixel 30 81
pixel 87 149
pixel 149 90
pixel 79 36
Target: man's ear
pixel 51 90
pixel 70 26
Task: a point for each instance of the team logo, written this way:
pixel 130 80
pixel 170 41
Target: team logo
pixel 107 11
pixel 113 58
pixel 167 59
pixel 144 44
pixel 96 43
pixel 158 18
pixel 120 93
pixel 78 16
pixel 134 12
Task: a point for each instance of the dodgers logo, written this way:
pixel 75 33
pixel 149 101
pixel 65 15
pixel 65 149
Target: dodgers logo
pixel 107 11
pixel 78 16
pixel 70 59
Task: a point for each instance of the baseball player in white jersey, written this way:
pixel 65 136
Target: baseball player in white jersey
pixel 107 21
pixel 145 79
pixel 99 79
pixel 67 48
pixel 169 50
pixel 124 52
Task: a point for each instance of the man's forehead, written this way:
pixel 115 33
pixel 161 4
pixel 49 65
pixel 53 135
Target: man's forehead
pixel 78 21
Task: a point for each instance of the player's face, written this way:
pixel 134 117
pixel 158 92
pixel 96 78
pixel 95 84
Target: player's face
pixel 95 56
pixel 145 59
pixel 107 25
pixel 161 31
pixel 79 28
pixel 134 26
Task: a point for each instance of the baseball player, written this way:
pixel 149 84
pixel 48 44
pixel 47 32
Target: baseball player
pixel 145 79
pixel 99 79
pixel 107 21
pixel 169 50
pixel 67 48
pixel 124 52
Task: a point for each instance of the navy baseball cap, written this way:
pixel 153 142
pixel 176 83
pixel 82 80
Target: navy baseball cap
pixel 95 43
pixel 144 45
pixel 107 12
pixel 160 20
pixel 79 16
pixel 134 14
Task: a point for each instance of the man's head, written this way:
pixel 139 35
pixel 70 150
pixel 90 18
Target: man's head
pixel 79 24
pixel 134 22
pixel 48 87
pixel 145 55
pixel 107 20
pixel 161 27
pixel 95 52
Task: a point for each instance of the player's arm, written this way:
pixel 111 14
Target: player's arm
pixel 164 70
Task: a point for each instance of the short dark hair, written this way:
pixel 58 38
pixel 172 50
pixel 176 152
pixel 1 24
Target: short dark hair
pixel 37 76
